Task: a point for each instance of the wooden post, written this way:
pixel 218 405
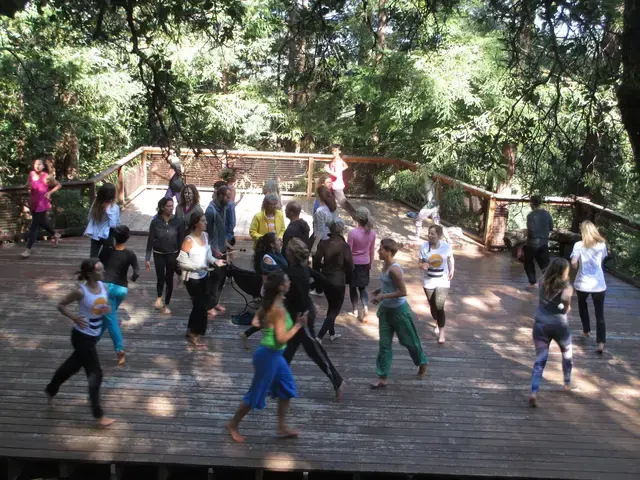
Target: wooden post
pixel 120 186
pixel 143 163
pixel 488 221
pixel 310 178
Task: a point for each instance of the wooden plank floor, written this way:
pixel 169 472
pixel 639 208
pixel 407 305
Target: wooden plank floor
pixel 468 416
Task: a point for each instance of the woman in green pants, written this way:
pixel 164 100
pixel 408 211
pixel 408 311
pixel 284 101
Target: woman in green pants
pixel 394 316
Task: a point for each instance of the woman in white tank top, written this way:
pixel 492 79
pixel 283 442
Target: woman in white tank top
pixel 194 259
pixel 93 300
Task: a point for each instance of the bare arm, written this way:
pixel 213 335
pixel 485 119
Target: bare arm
pixel 398 282
pixel 56 186
pixel 280 326
pixel 452 266
pixel 75 295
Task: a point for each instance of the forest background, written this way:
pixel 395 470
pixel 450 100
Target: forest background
pixel 531 96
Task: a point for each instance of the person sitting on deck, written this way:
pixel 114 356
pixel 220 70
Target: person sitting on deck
pixel 268 219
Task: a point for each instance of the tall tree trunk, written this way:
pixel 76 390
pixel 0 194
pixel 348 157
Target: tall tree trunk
pixel 383 20
pixel 629 89
pixel 509 154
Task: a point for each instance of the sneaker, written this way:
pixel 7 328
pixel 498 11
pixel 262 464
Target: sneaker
pixel 353 314
pixel 334 337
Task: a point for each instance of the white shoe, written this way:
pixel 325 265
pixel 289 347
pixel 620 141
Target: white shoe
pixel 334 337
pixel 353 314
pixel 26 253
pixel 316 294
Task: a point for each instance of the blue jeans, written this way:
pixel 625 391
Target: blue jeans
pixel 117 294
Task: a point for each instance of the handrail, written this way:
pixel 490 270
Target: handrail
pixel 116 166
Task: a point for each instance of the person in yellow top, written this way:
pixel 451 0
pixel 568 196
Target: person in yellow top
pixel 269 219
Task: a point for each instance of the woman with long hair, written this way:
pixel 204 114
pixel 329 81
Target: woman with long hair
pixel 189 204
pixel 103 217
pixel 436 259
pixel 41 185
pixel 117 264
pixel 166 234
pixel 272 374
pixel 320 181
pixel 268 258
pixel 297 301
pixel 326 213
pixel 587 257
pixel 194 259
pixel 93 303
pixel 337 267
pixel 551 323
pixel 362 241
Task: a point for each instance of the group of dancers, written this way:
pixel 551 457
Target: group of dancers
pixel 185 240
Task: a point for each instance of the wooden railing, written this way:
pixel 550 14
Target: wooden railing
pixel 146 167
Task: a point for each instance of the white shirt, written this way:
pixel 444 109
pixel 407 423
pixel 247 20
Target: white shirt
pixel 438 259
pixel 590 277
pixel 100 230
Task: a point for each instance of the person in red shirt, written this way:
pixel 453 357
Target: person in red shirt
pixel 335 169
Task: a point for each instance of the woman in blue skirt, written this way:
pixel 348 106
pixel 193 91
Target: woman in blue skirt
pixel 272 374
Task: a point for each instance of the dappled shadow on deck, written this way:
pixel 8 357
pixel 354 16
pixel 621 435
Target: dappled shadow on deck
pixel 468 416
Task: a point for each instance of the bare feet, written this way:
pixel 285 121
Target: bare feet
pixel 533 401
pixel 49 397
pixel 436 331
pixel 120 358
pixel 568 387
pixel 286 432
pixel 55 240
pixel 234 432
pixel 340 391
pixel 212 313
pixel 166 311
pixel 381 383
pixel 585 334
pixel 600 348
pixel 104 422
pixel 220 308
pixel 422 369
pixel 441 337
pixel 158 304
pixel 26 253
pixel 195 340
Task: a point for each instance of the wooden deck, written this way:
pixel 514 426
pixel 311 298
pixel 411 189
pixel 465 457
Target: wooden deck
pixel 468 416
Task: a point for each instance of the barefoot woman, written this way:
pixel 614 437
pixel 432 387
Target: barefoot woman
pixel 93 300
pixel 272 374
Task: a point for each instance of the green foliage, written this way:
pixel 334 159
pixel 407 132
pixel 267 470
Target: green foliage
pixel 70 208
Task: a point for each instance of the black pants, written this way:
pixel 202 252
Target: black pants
pixel 316 264
pixel 165 264
pixel 215 284
pixel 97 246
pixel 437 298
pixel 335 299
pixel 541 255
pixel 84 356
pixel 39 219
pixel 598 305
pixel 197 289
pixel 315 351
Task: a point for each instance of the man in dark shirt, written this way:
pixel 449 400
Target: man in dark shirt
pixel 297 228
pixel 539 225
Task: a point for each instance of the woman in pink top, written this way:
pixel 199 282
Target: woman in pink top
pixel 41 186
pixel 362 241
pixel 336 169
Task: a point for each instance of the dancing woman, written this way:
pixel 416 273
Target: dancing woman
pixel 272 374
pixel 395 316
pixel 436 259
pixel 194 259
pixel 362 241
pixel 117 266
pixel 41 185
pixel 103 217
pixel 551 323
pixel 189 204
pixel 587 257
pixel 326 213
pixel 267 259
pixel 337 267
pixel 166 234
pixel 93 304
pixel 297 301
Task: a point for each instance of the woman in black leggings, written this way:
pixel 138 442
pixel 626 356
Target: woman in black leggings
pixel 337 266
pixel 436 259
pixel 166 234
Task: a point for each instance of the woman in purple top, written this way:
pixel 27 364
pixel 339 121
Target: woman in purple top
pixel 362 241
pixel 41 186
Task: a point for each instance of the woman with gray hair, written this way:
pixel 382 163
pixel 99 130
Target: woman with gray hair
pixel 362 241
pixel 337 267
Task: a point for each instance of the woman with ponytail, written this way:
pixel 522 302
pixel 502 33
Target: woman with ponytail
pixel 103 217
pixel 272 374
pixel 93 301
